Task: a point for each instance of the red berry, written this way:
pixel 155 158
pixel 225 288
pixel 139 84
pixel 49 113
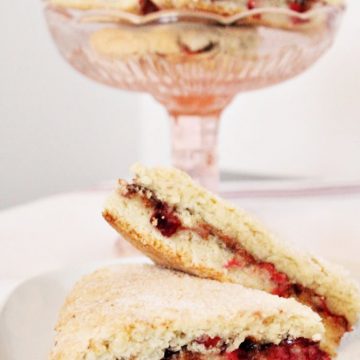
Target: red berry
pixel 233 355
pixel 147 7
pixel 209 342
pixel 165 220
pixel 280 279
pixel 251 4
pixel 232 263
pixel 297 5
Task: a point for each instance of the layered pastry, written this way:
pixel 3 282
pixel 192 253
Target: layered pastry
pixel 180 225
pixel 143 312
pixel 179 40
pixel 193 35
pixel 222 7
pixel 285 14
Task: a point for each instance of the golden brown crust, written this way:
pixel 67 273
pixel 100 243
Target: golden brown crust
pixel 156 251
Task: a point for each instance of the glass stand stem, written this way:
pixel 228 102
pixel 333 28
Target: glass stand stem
pixel 194 147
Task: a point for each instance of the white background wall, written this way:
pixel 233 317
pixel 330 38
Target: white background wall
pixel 307 126
pixel 59 131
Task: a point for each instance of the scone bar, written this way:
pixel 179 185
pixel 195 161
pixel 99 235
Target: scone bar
pixel 144 312
pixel 183 226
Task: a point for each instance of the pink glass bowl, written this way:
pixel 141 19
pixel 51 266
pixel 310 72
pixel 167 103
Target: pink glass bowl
pixel 193 63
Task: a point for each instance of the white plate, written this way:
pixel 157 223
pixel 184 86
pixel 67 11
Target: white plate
pixel 28 317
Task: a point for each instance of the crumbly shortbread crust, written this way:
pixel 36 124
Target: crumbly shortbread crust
pixel 138 311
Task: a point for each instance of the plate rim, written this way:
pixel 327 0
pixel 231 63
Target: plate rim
pixel 81 268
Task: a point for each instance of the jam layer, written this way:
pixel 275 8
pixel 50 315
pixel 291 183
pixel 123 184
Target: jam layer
pixel 300 349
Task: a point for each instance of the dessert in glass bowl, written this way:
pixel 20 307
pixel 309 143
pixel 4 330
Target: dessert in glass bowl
pixel 193 56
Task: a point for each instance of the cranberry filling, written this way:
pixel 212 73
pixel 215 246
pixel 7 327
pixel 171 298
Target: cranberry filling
pixel 295 5
pixel 300 349
pixel 283 285
pixel 233 263
pixel 318 304
pixel 165 219
pixel 147 7
pixel 299 6
pixel 208 341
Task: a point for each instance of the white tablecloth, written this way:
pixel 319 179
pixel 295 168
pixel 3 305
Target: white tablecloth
pixel 68 229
